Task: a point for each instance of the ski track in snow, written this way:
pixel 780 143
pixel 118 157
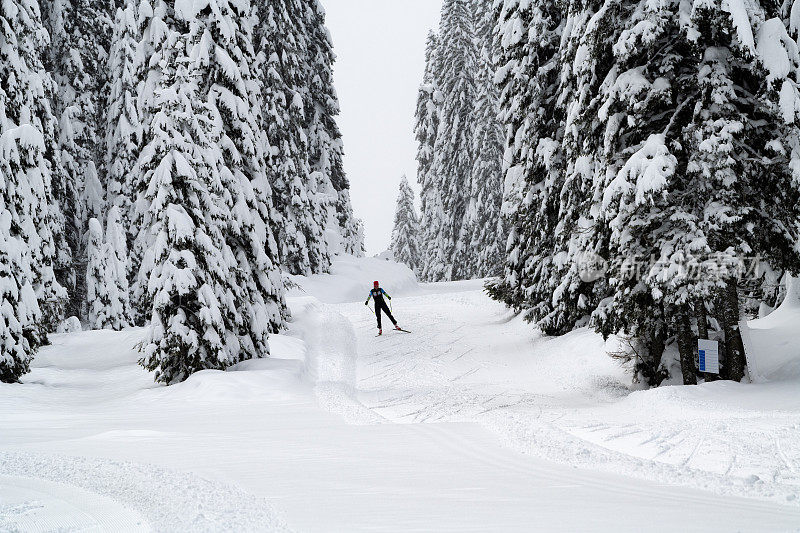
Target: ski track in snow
pixel 437 375
pixel 155 499
pixel 30 504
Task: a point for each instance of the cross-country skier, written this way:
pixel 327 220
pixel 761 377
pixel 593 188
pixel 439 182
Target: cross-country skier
pixel 377 294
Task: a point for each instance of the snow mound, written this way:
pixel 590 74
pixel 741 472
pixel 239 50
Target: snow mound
pixel 350 280
pixel 70 325
pixel 330 339
pixel 331 358
pixel 775 352
pixel 277 378
pixel 385 255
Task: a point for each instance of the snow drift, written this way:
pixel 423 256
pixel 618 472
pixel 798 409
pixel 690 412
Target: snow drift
pixel 350 280
pixel 775 342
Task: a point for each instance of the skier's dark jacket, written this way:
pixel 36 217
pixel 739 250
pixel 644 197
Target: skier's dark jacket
pixel 377 295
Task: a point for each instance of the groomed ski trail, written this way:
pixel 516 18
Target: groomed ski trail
pixel 463 365
pixel 470 481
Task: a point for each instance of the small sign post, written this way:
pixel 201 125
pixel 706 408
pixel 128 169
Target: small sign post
pixel 709 356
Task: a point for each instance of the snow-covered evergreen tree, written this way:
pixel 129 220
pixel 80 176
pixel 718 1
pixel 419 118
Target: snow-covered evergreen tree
pixel 691 135
pixel 107 274
pixel 123 128
pixel 97 269
pixel 484 242
pixel 325 144
pixel 80 33
pixel 583 63
pixel 299 222
pixel 460 147
pixel 182 211
pixel 529 61
pixel 118 260
pixel 29 219
pixel 426 125
pixel 19 308
pixel 123 134
pixel 209 260
pixel 659 129
pixel 405 235
pixel 453 148
pixel 152 31
pixel 741 148
pixel 227 58
pixel 641 110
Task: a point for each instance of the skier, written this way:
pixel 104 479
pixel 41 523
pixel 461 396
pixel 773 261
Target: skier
pixel 377 294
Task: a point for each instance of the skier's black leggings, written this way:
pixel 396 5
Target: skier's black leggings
pixel 381 306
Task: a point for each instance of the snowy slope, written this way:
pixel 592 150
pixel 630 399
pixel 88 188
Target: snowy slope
pixel 565 400
pixel 775 342
pixel 90 441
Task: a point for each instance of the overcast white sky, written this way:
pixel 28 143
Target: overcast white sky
pixel 380 49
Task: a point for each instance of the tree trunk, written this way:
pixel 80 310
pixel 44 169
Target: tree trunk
pixel 686 344
pixel 655 351
pixel 702 318
pixel 735 362
pixel 702 329
pixel 719 313
pixel 657 347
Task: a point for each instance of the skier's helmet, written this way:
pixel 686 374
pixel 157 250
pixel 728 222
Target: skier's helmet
pixel 376 284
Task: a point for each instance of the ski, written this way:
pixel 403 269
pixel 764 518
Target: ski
pixel 403 330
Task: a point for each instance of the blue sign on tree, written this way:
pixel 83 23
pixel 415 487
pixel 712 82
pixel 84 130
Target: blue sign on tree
pixel 709 356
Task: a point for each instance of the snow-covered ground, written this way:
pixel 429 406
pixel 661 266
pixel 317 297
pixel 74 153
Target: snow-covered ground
pixel 472 422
